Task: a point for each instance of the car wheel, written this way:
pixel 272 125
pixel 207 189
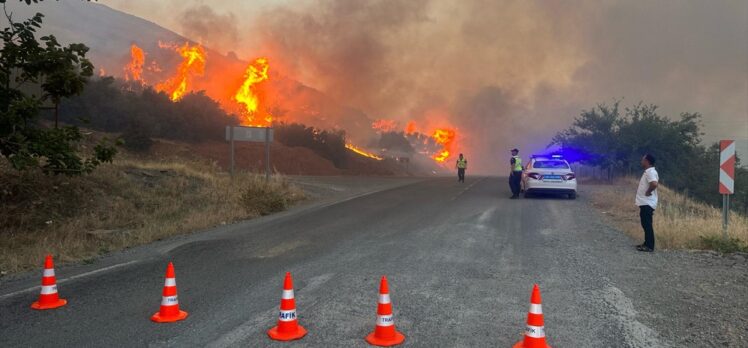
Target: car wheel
pixel 573 196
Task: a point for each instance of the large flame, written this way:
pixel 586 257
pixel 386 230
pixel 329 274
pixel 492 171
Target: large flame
pixel 193 64
pixel 446 138
pixel 247 95
pixel 362 152
pixel 134 69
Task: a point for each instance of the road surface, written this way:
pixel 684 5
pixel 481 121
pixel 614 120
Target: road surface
pixel 461 260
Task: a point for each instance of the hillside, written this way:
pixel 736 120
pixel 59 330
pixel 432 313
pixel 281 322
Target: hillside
pixel 284 159
pixel 110 33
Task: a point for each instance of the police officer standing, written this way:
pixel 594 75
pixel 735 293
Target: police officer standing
pixel 461 166
pixel 515 174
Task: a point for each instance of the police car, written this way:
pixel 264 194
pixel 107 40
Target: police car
pixel 549 175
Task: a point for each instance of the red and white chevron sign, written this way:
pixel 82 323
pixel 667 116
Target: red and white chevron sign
pixel 727 167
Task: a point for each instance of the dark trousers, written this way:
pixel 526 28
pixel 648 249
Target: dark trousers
pixel 645 215
pixel 461 174
pixel 515 182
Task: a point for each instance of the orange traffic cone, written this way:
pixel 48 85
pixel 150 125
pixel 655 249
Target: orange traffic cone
pixel 288 327
pixel 535 332
pixel 169 310
pixel 48 298
pixel 384 334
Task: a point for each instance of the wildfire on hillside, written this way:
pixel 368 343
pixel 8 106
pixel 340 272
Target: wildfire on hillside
pixel 362 152
pixel 248 95
pixel 383 125
pixel 252 96
pixel 193 64
pixel 134 69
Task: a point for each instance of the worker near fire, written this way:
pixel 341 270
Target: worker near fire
pixel 646 199
pixel 515 173
pixel 461 166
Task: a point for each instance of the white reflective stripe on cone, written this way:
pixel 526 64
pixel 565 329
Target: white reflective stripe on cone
pixel 287 294
pixel 287 315
pixel 385 320
pixel 535 331
pixel 49 289
pixel 170 282
pixel 384 298
pixel 169 301
pixel 536 308
pixel 49 272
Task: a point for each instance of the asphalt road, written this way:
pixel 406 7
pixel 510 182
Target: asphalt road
pixel 461 260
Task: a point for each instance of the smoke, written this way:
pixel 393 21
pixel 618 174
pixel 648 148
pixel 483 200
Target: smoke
pixel 202 24
pixel 511 73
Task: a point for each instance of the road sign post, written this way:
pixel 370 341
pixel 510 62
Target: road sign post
pixel 251 134
pixel 726 179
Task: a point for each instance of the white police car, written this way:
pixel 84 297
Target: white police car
pixel 549 175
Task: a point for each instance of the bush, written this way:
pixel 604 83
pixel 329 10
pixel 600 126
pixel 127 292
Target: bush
pixel 137 139
pixel 263 198
pixel 722 245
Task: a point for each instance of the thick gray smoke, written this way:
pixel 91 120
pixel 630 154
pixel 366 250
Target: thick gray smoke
pixel 217 31
pixel 511 73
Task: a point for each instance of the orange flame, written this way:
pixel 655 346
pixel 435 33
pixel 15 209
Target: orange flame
pixel 446 138
pixel 193 63
pixel 257 72
pixel 362 152
pixel 134 69
pixel 410 128
pixel 384 126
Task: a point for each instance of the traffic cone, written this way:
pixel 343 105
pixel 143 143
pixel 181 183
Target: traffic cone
pixel 288 327
pixel 48 298
pixel 385 334
pixel 535 331
pixel 169 310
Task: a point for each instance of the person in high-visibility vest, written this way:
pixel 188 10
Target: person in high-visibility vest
pixel 515 173
pixel 461 166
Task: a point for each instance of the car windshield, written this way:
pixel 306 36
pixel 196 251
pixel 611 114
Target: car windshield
pixel 551 164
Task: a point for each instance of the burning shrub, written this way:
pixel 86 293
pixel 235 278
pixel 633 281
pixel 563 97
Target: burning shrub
pixel 113 106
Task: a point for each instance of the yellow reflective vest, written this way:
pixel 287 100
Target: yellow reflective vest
pixel 462 163
pixel 517 163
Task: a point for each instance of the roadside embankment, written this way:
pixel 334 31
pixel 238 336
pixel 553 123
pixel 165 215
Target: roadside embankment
pixel 680 222
pixel 130 202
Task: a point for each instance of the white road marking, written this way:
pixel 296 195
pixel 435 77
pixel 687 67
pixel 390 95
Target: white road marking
pixel 63 280
pixel 257 324
pixel 635 333
pixel 466 189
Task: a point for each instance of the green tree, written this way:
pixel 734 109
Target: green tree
pixel 60 72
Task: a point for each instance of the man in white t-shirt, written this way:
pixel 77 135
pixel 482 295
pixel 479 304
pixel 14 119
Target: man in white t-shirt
pixel 646 200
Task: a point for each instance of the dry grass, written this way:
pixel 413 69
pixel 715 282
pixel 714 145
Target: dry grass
pixel 679 223
pixel 128 203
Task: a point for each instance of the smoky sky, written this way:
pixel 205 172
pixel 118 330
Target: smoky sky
pixel 506 73
pixel 217 31
pixel 511 73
